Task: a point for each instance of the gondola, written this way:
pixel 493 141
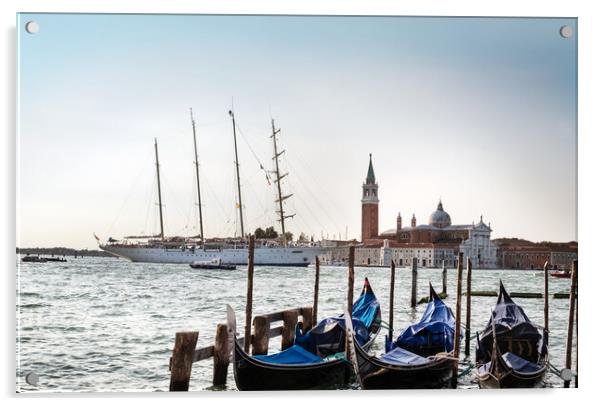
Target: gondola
pixel 511 352
pixel 420 358
pixel 315 360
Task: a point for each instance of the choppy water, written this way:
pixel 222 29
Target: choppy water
pixel 103 324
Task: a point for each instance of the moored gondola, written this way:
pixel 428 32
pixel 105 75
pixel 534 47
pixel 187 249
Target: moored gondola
pixel 315 360
pixel 420 358
pixel 511 352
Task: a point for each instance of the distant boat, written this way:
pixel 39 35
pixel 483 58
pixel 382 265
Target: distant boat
pixel 55 259
pixel 214 263
pixel 187 250
pixel 561 274
pixel 31 258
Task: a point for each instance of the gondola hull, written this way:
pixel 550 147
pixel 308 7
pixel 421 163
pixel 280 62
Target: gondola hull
pixel 506 377
pixel 376 374
pixel 253 374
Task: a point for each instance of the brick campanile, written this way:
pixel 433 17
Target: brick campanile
pixel 370 205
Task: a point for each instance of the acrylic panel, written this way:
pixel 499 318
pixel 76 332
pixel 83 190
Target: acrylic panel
pixel 364 202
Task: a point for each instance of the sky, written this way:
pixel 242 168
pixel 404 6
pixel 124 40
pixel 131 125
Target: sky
pixel 480 112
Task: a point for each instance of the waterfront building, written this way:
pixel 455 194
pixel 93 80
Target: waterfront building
pixel 431 243
pixel 514 253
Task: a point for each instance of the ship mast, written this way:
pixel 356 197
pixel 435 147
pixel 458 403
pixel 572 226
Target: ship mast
pixel 242 228
pixel 198 187
pixel 281 198
pixel 159 188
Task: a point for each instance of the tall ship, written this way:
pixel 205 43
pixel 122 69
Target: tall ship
pixel 186 250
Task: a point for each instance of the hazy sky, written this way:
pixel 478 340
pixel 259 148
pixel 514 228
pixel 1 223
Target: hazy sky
pixel 480 112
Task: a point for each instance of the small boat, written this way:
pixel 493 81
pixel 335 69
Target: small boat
pixel 420 358
pixel 561 274
pixel 511 352
pixel 55 259
pixel 214 263
pixel 31 258
pixel 316 360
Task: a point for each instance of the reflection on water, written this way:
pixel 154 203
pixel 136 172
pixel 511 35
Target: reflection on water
pixel 102 324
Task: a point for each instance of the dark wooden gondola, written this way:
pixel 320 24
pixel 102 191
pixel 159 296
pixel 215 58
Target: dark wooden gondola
pixel 376 373
pixel 512 352
pixel 251 373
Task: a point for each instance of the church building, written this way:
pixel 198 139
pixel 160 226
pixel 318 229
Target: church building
pixel 431 243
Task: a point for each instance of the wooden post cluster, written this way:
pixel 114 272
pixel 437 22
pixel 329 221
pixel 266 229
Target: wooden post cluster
pixel 569 337
pixel 468 303
pixel 249 307
pixel 414 281
pixel 458 318
pixel 314 317
pixel 182 359
pixel 546 307
pixel 391 300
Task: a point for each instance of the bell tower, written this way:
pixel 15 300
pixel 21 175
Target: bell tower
pixel 370 205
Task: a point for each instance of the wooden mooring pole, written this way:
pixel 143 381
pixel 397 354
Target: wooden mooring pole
pixel 569 337
pixel 391 300
pixel 182 359
pixel 546 305
pixel 289 321
pixel 444 278
pixel 350 283
pixel 261 335
pixel 249 307
pixel 350 279
pixel 221 355
pixel 468 303
pixel 458 318
pixel 414 281
pixel 314 316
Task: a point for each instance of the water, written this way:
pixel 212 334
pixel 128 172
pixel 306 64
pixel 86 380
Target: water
pixel 104 324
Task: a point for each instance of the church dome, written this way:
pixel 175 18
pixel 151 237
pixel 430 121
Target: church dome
pixel 439 218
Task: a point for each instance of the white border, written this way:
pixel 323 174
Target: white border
pixel 589 178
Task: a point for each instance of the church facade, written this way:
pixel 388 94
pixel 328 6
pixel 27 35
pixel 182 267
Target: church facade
pixel 434 244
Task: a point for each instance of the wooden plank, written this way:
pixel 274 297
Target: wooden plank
pixel 181 365
pixel 275 332
pixel 203 353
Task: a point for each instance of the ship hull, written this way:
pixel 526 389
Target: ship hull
pixel 278 256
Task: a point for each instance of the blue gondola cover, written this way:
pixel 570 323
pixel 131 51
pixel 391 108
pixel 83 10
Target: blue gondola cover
pixel 435 328
pixel 293 355
pixel 399 356
pixel 328 336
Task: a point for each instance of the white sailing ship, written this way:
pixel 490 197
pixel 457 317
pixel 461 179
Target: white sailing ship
pixel 181 250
